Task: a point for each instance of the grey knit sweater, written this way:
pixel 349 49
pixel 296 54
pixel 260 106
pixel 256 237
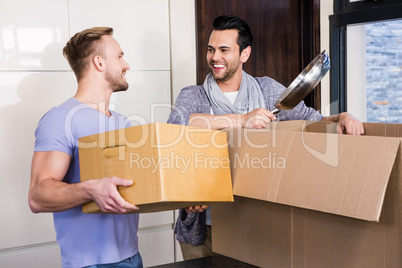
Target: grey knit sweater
pixel 190 228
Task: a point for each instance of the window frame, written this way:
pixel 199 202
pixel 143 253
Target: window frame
pixel 349 13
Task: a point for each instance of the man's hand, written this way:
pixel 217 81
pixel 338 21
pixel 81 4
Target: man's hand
pixel 349 124
pixel 196 209
pixel 258 118
pixel 105 194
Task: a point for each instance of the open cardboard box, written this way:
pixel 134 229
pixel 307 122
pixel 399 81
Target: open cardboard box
pixel 172 166
pixel 305 197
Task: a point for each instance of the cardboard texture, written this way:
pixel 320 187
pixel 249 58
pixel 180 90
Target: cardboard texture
pixel 172 166
pixel 306 197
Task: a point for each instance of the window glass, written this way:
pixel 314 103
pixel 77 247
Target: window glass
pixel 374 71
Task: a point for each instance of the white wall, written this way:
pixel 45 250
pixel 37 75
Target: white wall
pixel 158 38
pixel 356 68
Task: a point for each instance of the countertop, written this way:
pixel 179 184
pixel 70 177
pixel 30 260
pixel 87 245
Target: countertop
pixel 216 261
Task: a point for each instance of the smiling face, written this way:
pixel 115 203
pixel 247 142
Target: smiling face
pixel 224 58
pixel 116 65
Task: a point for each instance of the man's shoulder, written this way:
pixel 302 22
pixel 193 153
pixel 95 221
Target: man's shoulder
pixel 192 91
pixel 266 80
pixel 194 88
pixel 270 85
pixel 60 110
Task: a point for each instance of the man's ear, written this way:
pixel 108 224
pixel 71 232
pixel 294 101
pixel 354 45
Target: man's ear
pixel 99 63
pixel 245 54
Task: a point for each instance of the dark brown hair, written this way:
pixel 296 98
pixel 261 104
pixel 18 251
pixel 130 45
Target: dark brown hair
pixel 230 22
pixel 81 46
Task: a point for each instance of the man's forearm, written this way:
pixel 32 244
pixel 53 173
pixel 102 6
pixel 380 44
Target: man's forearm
pixel 54 196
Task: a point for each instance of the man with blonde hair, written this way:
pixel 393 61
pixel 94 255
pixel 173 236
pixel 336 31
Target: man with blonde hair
pixel 86 240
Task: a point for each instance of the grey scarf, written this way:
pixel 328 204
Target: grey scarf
pixel 249 98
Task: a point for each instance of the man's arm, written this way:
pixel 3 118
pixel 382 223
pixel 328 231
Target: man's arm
pixel 259 118
pixel 346 123
pixel 48 193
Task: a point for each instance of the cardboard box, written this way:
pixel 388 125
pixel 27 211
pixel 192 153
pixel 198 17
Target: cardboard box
pixel 172 166
pixel 305 197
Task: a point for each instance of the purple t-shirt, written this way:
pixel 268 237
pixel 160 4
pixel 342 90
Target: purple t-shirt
pixel 85 239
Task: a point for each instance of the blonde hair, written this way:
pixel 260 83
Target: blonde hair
pixel 81 46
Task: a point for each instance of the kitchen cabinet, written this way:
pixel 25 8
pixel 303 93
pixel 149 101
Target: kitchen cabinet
pixel 141 28
pixel 33 34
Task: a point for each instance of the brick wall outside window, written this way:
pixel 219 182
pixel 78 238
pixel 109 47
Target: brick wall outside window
pixel 384 71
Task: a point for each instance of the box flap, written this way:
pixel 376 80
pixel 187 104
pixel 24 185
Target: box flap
pixel 339 174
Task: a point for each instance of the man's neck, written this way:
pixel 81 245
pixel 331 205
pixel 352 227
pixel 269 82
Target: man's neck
pixel 94 96
pixel 231 85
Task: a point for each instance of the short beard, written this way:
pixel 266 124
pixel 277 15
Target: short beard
pixel 116 86
pixel 225 78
